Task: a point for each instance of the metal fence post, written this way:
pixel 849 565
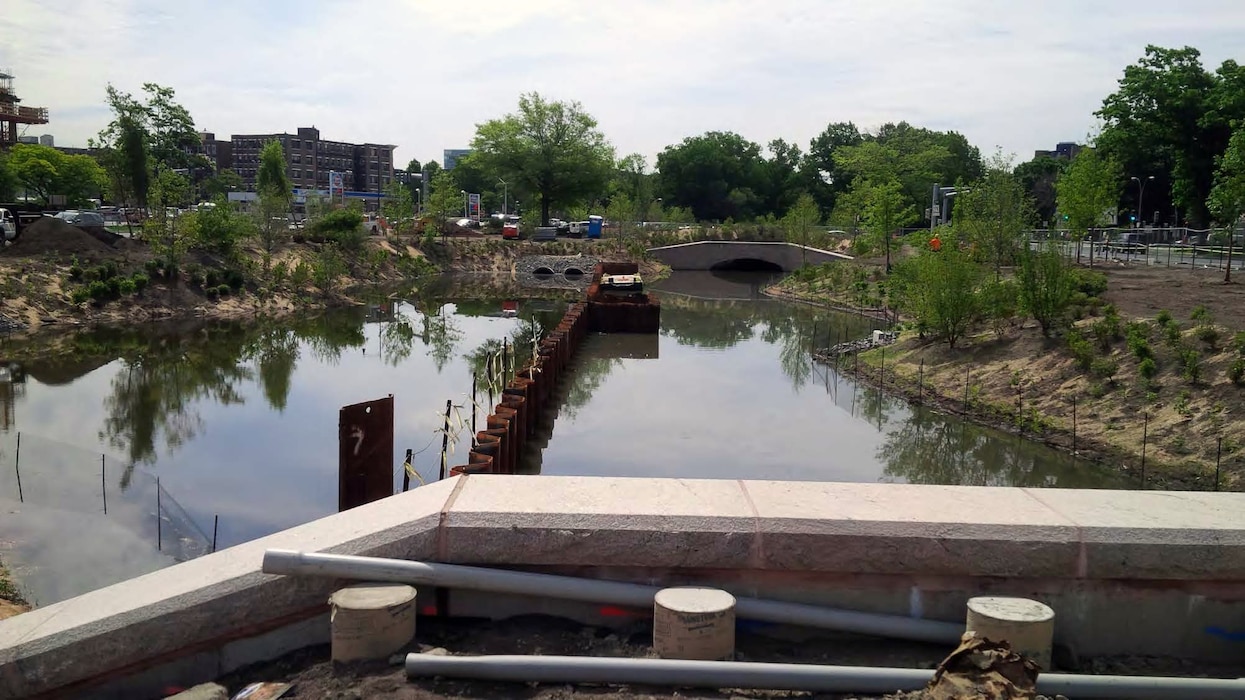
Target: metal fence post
pixel 966 371
pixel 445 437
pixel 17 467
pixel 1218 454
pixel 159 519
pixel 1145 434
pixel 103 483
pixel 920 382
pixel 215 525
pixel 1073 426
pixel 882 372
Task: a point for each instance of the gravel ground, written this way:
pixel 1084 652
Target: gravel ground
pixel 313 675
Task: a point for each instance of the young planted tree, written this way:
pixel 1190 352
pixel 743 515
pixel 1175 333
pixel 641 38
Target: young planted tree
pixel 275 199
pixel 1227 197
pixel 1087 189
pixel 992 214
pixel 885 209
pixel 1046 286
pixel 621 209
pixel 551 149
pixel 799 223
pixel 170 238
pixel 940 290
pixel 444 201
pixel 398 205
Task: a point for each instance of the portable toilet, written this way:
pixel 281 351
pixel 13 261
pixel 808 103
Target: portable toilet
pixel 594 226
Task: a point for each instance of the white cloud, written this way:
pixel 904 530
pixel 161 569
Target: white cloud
pixel 422 73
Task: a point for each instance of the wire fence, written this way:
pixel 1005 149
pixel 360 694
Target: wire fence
pixel 1153 247
pixel 79 486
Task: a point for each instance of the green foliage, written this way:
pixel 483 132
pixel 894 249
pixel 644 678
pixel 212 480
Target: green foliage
pixel 1191 363
pixel 1045 286
pixel 940 290
pixel 75 272
pixel 343 227
pixel 992 213
pixel 1238 342
pixel 1000 301
pixel 44 171
pixel 1148 368
pixel 552 150
pixel 1087 190
pixel 140 281
pixel 1163 318
pixel 884 209
pixel 1080 349
pixel 300 275
pixel 79 295
pixel 327 267
pixel 1138 334
pixel 219 228
pixel 800 220
pixel 718 175
pixel 99 291
pixel 127 287
pixel 1172 334
pixel 1103 367
pixel 1088 282
pixel 270 179
pixel 279 273
pixel 1201 314
pixel 1208 335
pixel 220 184
pixel 1236 371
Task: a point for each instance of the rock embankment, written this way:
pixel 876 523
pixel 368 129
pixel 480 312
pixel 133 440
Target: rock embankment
pixel 875 340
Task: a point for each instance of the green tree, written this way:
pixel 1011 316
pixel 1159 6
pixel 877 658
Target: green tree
pixel 1038 177
pixel 1046 286
pixel 155 133
pixel 632 179
pixel 221 184
pixel 398 205
pixel 621 209
pixel 274 203
pixel 885 209
pixel 782 183
pixel 218 228
pixel 799 222
pixel 939 288
pixel 167 232
pixel 8 181
pixel 1227 197
pixel 992 214
pixel 1086 191
pixel 551 149
pixel 1170 117
pixel 824 177
pixel 444 201
pixel 414 166
pixel 45 172
pixel 718 175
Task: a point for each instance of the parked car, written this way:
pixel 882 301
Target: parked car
pixel 8 225
pixel 510 231
pixel 79 217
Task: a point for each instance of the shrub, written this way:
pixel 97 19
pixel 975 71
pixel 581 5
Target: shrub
pixel 1236 371
pixel 114 285
pixel 211 278
pixel 79 295
pixel 1106 330
pixel 999 303
pixel 1104 367
pixel 127 287
pixel 1171 333
pixel 99 291
pixel 1208 335
pixel 233 279
pixel 223 290
pixel 1089 282
pixel 1163 318
pixel 1148 368
pixel 75 272
pixel 279 272
pixel 211 292
pixel 1201 314
pixel 1191 360
pixel 152 267
pixel 1081 349
pixel 140 281
pixel 1138 341
pixel 300 275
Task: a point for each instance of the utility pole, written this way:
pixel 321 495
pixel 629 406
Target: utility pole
pixel 505 198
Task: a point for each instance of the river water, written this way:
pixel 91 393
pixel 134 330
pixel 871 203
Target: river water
pixel 237 420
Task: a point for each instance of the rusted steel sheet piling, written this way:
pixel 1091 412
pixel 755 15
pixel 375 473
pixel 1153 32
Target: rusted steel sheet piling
pixel 527 396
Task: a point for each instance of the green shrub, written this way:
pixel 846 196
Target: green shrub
pixel 1138 340
pixel 211 278
pixel 223 290
pixel 1191 360
pixel 211 292
pixel 1106 330
pixel 279 272
pixel 1171 333
pixel 100 291
pixel 300 275
pixel 1238 342
pixel 1201 314
pixel 1089 282
pixel 1148 368
pixel 75 272
pixel 79 295
pixel 233 279
pixel 1081 349
pixel 140 281
pixel 152 267
pixel 1163 318
pixel 1236 371
pixel 1104 367
pixel 1208 335
pixel 114 285
pixel 127 287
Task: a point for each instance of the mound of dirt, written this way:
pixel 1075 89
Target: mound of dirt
pixel 51 235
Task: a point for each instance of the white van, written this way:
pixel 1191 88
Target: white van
pixel 8 225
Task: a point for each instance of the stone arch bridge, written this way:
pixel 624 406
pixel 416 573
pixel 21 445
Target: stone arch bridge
pixel 755 255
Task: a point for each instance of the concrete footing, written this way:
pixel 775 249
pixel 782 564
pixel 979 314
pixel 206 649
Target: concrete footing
pixel 1126 572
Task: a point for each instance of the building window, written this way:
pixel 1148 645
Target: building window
pixel 296 144
pixel 298 174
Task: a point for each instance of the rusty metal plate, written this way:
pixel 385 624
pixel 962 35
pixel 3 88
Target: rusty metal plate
pixel 365 453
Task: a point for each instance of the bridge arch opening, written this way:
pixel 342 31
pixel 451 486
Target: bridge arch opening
pixel 573 272
pixel 746 265
pixel 543 272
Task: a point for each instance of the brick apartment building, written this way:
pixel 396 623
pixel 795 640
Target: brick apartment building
pixel 367 167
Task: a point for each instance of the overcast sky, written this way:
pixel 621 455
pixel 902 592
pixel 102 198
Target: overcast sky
pixel 422 73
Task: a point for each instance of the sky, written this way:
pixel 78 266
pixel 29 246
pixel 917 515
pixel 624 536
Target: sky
pixel 421 74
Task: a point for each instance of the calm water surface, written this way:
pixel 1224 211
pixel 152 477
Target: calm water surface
pixel 238 420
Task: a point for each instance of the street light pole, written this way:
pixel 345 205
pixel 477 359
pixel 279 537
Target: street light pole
pixel 464 194
pixel 505 197
pixel 1141 196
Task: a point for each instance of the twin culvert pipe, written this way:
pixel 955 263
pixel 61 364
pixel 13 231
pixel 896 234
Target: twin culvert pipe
pixel 714 674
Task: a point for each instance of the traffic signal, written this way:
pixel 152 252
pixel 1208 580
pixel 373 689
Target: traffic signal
pixel 1132 217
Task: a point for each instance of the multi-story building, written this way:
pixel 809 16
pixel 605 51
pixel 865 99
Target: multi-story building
pixel 1066 150
pixel 219 152
pixel 309 159
pixel 451 156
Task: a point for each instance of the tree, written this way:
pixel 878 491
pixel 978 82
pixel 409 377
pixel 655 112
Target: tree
pixel 414 166
pixel 885 209
pixel 632 179
pixel 154 134
pixel 1038 177
pixel 44 172
pixel 822 174
pixel 218 227
pixel 169 236
pixel 799 223
pixel 8 181
pixel 1045 286
pixel 719 176
pixel 398 205
pixel 1087 190
pixel 939 288
pixel 620 210
pixel 1227 197
pixel 781 181
pixel 275 192
pixel 444 201
pixel 551 149
pixel 992 213
pixel 221 184
pixel 1171 118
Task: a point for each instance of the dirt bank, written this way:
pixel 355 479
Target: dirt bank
pixel 11 602
pixel 1184 422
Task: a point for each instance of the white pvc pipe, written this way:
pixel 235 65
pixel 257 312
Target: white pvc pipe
pixel 827 679
pixel 281 561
